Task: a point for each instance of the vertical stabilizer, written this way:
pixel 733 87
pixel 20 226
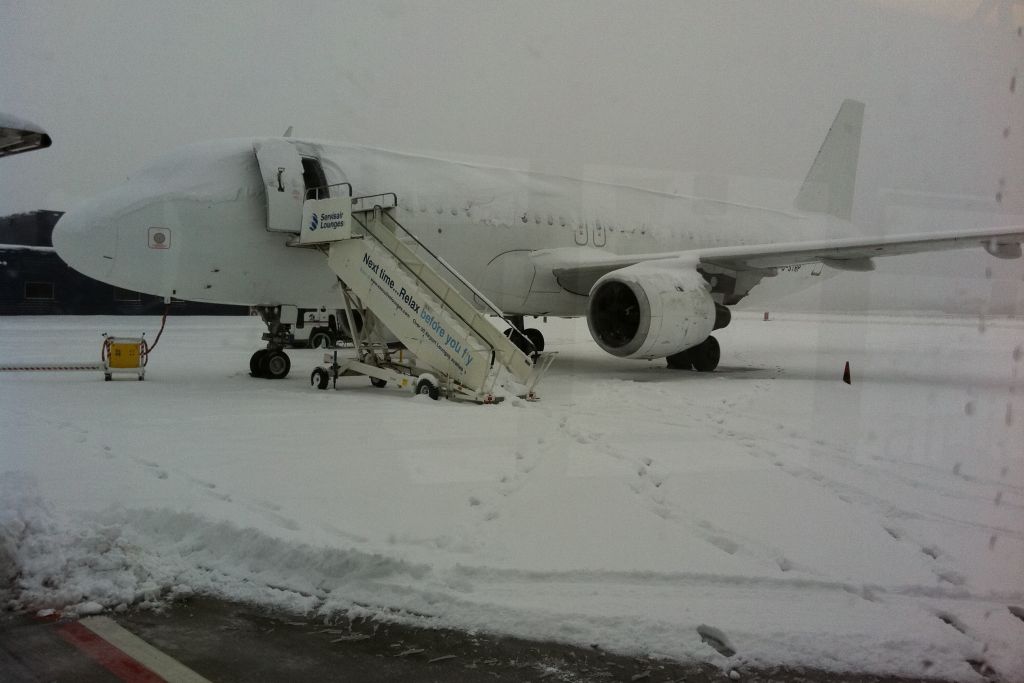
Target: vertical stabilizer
pixel 829 185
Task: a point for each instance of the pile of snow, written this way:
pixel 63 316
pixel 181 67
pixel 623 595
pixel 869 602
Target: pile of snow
pixel 764 514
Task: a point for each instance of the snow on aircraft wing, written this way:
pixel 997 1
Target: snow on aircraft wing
pixel 577 269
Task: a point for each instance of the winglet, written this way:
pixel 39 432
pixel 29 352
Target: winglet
pixel 288 133
pixel 829 185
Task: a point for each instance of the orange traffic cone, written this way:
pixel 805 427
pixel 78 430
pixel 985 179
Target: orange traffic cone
pixel 846 373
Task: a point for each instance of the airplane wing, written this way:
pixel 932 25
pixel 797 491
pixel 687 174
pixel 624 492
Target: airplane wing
pixel 577 269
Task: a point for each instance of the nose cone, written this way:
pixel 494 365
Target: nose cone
pixel 86 239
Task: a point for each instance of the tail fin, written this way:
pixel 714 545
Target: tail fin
pixel 829 185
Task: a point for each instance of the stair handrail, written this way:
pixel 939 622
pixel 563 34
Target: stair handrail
pixel 326 190
pixel 447 266
pixel 469 285
pixel 367 230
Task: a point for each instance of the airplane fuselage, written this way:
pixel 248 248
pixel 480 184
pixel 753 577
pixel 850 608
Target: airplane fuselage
pixel 194 226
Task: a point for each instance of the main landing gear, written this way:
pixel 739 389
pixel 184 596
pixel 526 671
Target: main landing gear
pixel 703 357
pixel 530 340
pixel 271 362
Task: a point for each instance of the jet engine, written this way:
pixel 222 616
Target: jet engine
pixel 650 310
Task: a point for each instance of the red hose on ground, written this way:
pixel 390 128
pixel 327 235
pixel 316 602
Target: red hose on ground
pixel 146 348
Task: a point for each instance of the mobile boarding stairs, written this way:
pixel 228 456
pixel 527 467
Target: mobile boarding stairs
pixel 456 350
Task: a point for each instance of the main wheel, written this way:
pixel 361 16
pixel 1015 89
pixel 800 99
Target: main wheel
pixel 426 387
pixel 519 339
pixel 705 356
pixel 680 361
pixel 321 339
pixel 319 378
pixel 275 365
pixel 255 363
pixel 536 338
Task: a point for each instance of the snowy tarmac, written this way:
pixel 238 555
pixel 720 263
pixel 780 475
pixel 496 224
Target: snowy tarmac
pixel 766 514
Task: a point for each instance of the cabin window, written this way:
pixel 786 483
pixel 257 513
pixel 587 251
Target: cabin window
pixel 39 291
pixel 126 295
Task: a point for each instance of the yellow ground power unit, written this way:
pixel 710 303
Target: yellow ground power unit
pixel 124 355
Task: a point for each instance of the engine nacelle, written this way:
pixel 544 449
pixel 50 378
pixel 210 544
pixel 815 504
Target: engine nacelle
pixel 650 311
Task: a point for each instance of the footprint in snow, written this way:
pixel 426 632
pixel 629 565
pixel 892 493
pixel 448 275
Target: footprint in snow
pixel 723 544
pixel 717 639
pixel 219 496
pixel 951 577
pixel 950 620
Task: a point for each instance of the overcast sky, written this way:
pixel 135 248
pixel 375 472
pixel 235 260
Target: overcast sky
pixel 650 92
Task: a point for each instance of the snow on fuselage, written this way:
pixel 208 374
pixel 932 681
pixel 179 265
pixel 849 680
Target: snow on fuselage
pixel 192 226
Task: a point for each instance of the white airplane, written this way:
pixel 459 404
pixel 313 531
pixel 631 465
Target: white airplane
pixel 18 136
pixel 654 273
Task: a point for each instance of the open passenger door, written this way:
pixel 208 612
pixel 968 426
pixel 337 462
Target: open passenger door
pixel 281 168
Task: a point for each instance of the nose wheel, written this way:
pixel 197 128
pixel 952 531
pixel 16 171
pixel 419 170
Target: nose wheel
pixel 272 362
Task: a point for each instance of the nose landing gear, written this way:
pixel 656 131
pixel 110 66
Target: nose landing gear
pixel 271 362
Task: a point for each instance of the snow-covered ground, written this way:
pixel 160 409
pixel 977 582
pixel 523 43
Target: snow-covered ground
pixel 767 509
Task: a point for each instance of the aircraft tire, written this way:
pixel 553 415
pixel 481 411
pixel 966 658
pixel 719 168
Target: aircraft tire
pixel 275 365
pixel 319 378
pixel 536 338
pixel 321 339
pixel 519 339
pixel 254 363
pixel 705 356
pixel 680 361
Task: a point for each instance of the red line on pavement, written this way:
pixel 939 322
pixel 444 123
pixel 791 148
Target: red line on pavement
pixel 109 657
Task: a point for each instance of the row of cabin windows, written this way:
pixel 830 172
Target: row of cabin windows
pixel 44 291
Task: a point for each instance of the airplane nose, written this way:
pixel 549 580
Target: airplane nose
pixel 86 239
